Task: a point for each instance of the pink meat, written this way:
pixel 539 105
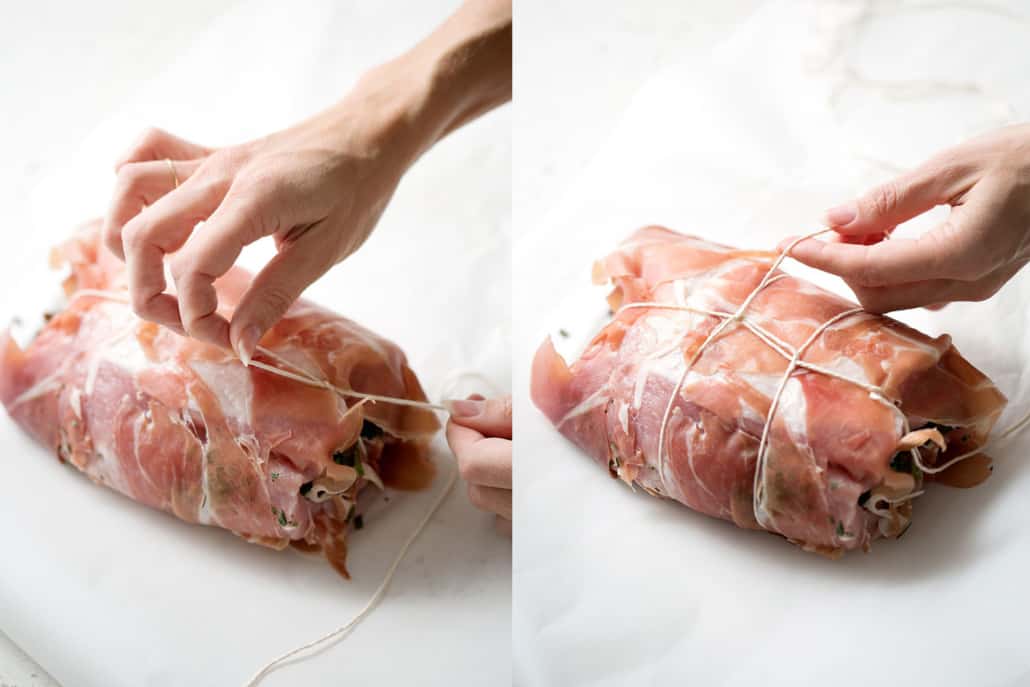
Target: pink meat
pixel 830 442
pixel 186 428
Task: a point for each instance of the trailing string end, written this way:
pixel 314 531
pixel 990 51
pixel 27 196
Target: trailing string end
pixel 318 645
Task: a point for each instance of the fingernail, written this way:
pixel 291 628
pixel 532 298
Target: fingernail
pixel 785 243
pixel 465 408
pixel 841 216
pixel 247 343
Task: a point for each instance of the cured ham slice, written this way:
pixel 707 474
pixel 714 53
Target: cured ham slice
pixel 185 427
pixel 872 410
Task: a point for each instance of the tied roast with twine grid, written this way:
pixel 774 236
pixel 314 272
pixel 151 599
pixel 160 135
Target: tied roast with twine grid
pixel 753 396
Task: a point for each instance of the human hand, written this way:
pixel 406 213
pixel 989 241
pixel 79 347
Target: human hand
pixel 479 434
pixel 318 188
pixel 982 244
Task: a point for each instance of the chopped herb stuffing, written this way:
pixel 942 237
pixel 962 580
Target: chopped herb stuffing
pixel 274 476
pixel 359 522
pixel 358 467
pixel 840 529
pixel 282 519
pixel 943 429
pixel 370 430
pixel 902 462
pixel 347 456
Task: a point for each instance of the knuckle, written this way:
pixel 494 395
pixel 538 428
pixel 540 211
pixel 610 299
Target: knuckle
pixel 883 200
pixel 468 471
pixel 134 236
pixel 181 269
pixel 140 304
pixel 476 496
pixel 276 300
pixel 129 179
pixel 148 139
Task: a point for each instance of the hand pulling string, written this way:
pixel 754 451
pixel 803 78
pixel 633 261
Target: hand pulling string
pixel 794 361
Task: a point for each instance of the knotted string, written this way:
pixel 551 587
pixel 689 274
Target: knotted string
pixel 298 374
pixel 794 358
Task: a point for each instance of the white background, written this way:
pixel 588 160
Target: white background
pixel 103 592
pixel 799 105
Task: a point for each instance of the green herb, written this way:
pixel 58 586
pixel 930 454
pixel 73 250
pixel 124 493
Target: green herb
pixel 350 513
pixel 840 529
pixel 359 467
pixel 347 456
pixel 359 522
pixel 902 462
pixel 370 430
pixel 282 518
pixel 274 476
pixel 564 334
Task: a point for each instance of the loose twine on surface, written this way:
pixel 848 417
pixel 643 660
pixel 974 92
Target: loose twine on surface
pixel 298 374
pixel 794 362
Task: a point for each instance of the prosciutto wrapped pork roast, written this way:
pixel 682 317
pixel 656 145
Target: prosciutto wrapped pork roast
pixel 185 427
pixel 857 425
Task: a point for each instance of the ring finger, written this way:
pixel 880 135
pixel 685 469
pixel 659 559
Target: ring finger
pixel 141 184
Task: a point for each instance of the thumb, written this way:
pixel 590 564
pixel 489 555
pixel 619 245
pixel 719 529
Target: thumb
pixel 491 417
pixel 273 290
pixel 883 207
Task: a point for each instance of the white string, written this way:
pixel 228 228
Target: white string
pixel 794 362
pixel 305 377
pixel 728 319
pixel 322 642
pixel 298 374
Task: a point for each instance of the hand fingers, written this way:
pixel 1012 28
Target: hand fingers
pixel 935 255
pixel 274 290
pixel 491 500
pixel 210 252
pixel 157 144
pixel 503 526
pixel 491 417
pixel 140 184
pixel 879 210
pixel 161 229
pixel 932 293
pixel 481 460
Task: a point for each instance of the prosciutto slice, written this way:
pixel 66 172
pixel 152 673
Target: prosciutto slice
pixel 184 427
pixel 841 461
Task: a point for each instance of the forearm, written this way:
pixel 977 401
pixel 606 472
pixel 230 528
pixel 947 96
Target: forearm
pixel 460 71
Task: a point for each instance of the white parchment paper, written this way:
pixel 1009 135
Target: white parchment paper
pixel 102 591
pixel 804 106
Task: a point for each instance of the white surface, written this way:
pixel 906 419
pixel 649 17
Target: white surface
pixel 102 591
pixel 617 588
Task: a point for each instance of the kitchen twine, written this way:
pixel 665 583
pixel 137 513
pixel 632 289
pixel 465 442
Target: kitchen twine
pixel 316 645
pixel 794 361
pixel 300 375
